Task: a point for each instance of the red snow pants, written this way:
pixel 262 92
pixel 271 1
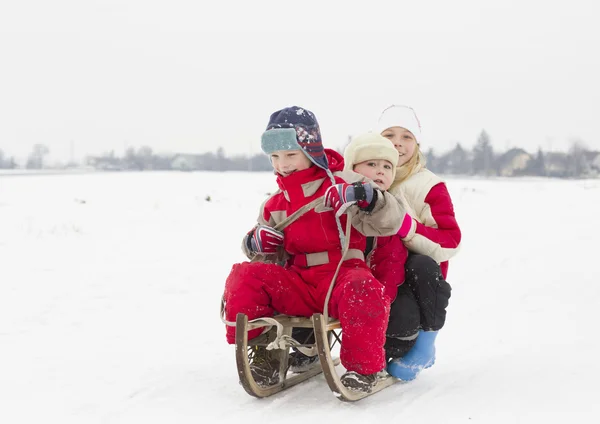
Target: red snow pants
pixel 358 301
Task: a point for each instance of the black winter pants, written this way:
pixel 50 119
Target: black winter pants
pixel 420 304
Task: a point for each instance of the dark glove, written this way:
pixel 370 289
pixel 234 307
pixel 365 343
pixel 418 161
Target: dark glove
pixel 343 195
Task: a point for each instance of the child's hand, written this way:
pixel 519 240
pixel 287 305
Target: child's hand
pixel 265 239
pixel 341 196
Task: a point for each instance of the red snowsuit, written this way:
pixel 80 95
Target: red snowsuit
pixel 387 260
pixel 358 301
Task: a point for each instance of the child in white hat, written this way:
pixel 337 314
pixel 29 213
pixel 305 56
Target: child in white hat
pixel 430 232
pixel 374 157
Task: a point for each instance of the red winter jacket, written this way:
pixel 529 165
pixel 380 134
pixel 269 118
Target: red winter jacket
pixel 387 261
pixel 447 234
pixel 434 231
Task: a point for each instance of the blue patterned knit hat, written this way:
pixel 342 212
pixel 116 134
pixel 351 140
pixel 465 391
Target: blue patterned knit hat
pixel 295 128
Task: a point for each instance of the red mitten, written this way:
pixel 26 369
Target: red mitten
pixel 264 239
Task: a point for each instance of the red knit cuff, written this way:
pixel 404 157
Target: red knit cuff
pixel 405 227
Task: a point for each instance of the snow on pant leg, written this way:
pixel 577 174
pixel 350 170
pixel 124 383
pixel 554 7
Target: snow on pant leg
pixel 358 301
pixel 259 289
pixel 432 292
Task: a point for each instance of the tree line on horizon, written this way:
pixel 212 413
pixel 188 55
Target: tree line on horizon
pixel 481 160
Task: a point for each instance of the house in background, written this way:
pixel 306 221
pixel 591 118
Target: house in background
pixel 187 162
pixel 105 163
pixel 514 162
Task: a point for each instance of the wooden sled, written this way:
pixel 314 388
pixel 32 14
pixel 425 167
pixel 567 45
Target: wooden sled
pixel 285 380
pixel 327 334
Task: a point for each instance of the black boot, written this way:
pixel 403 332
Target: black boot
pixel 299 362
pixel 359 382
pixel 264 366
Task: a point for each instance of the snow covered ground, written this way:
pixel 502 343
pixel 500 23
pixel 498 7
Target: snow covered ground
pixel 110 287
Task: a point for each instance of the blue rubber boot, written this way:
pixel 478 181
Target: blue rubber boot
pixel 421 356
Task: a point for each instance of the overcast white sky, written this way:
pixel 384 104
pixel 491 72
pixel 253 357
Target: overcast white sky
pixel 181 76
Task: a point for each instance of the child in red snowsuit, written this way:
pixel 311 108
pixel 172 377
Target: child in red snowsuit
pixel 306 171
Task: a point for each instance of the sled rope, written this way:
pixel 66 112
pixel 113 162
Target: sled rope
pixel 345 247
pixel 293 217
pixel 281 341
pixel 337 218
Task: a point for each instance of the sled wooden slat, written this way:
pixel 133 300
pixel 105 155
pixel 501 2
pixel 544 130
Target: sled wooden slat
pixel 297 322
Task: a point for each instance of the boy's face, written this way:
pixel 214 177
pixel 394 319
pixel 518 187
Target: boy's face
pixel 404 141
pixel 286 162
pixel 379 170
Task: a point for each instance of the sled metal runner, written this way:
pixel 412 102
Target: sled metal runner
pixel 243 364
pixel 328 366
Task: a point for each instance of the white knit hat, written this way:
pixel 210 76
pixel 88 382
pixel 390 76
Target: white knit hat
pixel 370 146
pixel 400 116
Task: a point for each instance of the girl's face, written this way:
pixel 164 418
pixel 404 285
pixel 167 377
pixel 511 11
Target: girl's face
pixel 404 141
pixel 286 162
pixel 379 170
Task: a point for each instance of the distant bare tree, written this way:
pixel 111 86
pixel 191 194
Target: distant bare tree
pixel 577 165
pixel 432 160
pixel 145 157
pixel 36 157
pixel 483 155
pixel 457 161
pixel 221 159
pixel 537 166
